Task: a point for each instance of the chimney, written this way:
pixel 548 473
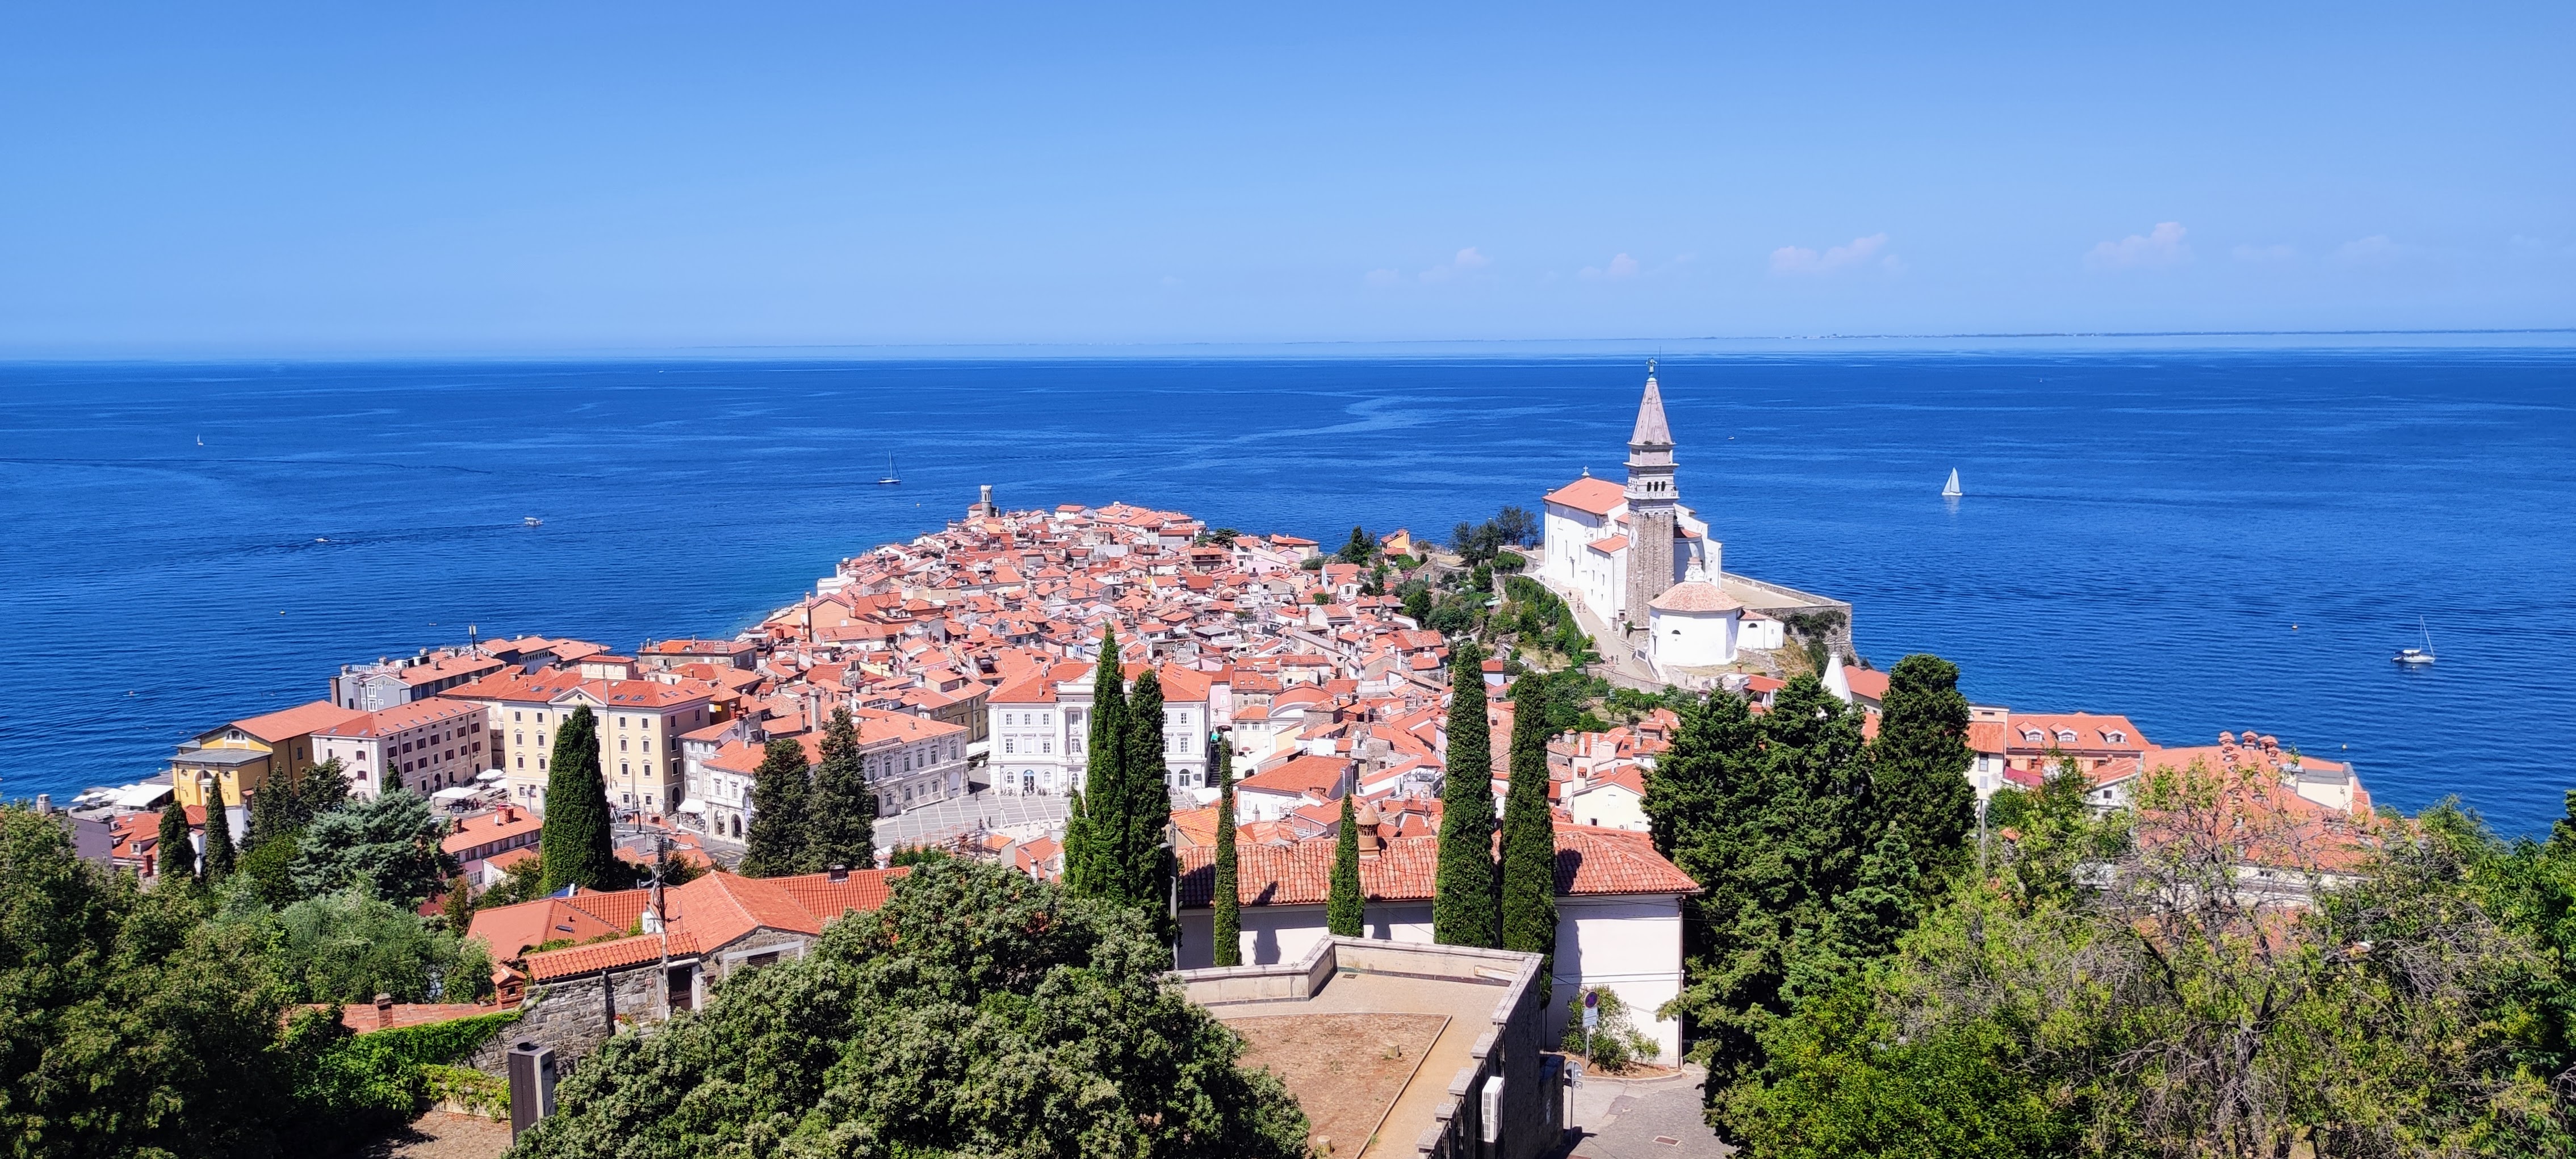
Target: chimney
pixel 384 1011
pixel 1366 817
pixel 837 874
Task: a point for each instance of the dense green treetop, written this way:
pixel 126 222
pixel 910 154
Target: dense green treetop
pixel 780 842
pixel 1919 763
pixel 576 845
pixel 1463 904
pixel 978 1013
pixel 1528 870
pixel 388 846
pixel 1346 904
pixel 1226 906
pixel 841 810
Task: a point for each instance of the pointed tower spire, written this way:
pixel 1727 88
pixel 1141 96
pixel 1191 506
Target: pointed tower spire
pixel 1651 429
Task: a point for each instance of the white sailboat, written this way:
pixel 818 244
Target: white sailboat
pixel 1952 491
pixel 890 477
pixel 2412 657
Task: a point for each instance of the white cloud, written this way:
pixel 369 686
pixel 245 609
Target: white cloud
pixel 1799 261
pixel 2264 253
pixel 1621 267
pixel 1469 259
pixel 2157 248
pixel 2375 250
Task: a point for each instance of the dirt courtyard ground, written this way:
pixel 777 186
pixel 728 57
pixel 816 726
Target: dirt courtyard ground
pixel 440 1135
pixel 1345 1069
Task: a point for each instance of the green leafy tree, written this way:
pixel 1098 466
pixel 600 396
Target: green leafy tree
pixel 777 844
pixel 1463 903
pixel 219 840
pixel 1226 904
pixel 1417 601
pixel 174 854
pixel 1346 909
pixel 1361 548
pixel 978 1013
pixel 1515 525
pixel 129 1026
pixel 576 845
pixel 842 812
pixel 1884 901
pixel 1773 825
pixel 523 880
pixel 1528 905
pixel 351 946
pixel 388 846
pixel 268 869
pixel 322 788
pixel 1919 764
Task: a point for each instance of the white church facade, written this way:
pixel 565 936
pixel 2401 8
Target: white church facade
pixel 1640 561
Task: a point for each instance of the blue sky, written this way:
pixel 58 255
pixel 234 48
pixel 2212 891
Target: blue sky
pixel 468 178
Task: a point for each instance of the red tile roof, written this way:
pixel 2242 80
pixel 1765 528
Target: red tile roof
pixel 287 724
pixel 1598 496
pixel 1589 861
pixel 403 717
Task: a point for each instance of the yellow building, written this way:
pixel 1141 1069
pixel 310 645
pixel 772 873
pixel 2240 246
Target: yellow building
pixel 246 754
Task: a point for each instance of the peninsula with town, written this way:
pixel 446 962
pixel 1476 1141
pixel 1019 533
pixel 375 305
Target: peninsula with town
pixel 1442 828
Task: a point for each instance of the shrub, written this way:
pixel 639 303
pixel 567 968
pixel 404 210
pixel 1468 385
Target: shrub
pixel 1616 1043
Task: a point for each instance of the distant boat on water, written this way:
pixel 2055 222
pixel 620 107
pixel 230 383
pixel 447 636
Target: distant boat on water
pixel 891 478
pixel 1952 491
pixel 2414 657
pixel 532 521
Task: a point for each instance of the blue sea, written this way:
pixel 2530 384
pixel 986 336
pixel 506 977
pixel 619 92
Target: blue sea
pixel 2203 540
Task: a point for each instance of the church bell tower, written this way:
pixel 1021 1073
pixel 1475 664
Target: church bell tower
pixel 1652 501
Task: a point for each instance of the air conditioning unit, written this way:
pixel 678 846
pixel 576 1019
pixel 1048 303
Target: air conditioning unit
pixel 1490 1112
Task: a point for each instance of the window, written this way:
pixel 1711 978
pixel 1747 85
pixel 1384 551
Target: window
pixel 1009 746
pixel 541 764
pixel 523 762
pixel 515 714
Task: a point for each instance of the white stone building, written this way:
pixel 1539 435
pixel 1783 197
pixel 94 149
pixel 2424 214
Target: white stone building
pixel 1618 906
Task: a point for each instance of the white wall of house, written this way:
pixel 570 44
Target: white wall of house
pixel 1563 531
pixel 1630 943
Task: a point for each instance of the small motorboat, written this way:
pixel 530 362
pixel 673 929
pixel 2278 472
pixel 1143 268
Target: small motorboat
pixel 1952 491
pixel 532 521
pixel 2417 657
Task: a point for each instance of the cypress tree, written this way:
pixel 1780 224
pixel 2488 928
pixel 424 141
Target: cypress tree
pixel 1462 902
pixel 575 845
pixel 1149 798
pixel 1104 778
pixel 1346 915
pixel 1529 834
pixel 1078 848
pixel 219 838
pixel 780 792
pixel 1227 901
pixel 174 856
pixel 1919 765
pixel 842 827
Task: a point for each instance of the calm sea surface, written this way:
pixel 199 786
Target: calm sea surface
pixel 2204 541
